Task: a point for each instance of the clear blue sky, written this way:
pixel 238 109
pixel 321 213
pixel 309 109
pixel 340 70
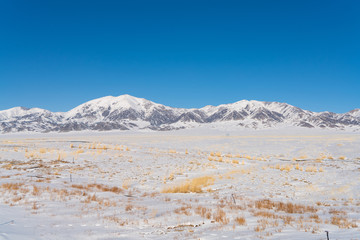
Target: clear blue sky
pixel 58 54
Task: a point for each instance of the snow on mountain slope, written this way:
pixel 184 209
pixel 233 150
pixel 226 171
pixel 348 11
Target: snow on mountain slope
pixel 127 112
pixel 256 114
pixel 17 112
pixel 102 107
pixel 125 107
pixel 23 119
pixel 354 113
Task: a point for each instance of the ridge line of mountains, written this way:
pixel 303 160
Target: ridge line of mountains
pixel 126 112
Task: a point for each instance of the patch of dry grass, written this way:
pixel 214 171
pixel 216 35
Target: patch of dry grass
pixel 12 186
pixel 285 207
pixel 98 187
pixel 220 216
pixel 342 222
pixel 240 220
pixel 194 185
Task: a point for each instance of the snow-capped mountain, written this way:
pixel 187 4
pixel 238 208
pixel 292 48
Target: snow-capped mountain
pixel 127 112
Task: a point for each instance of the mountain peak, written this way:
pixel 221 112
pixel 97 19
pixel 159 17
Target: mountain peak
pixel 355 112
pixel 122 101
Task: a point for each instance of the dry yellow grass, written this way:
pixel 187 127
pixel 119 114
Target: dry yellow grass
pixel 98 187
pixel 203 212
pixel 36 191
pixel 342 222
pixel 31 155
pixel 286 207
pixel 169 178
pixel 297 167
pixel 79 151
pixel 240 220
pixel 129 207
pixel 247 157
pixel 311 169
pixel 220 216
pixel 61 156
pixel 126 184
pixel 265 214
pixel 12 186
pixel 42 150
pixel 287 167
pixel 193 185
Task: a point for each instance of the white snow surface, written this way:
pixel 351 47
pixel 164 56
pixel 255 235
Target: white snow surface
pixel 110 185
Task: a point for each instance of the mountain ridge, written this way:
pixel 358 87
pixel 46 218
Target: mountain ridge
pixel 126 112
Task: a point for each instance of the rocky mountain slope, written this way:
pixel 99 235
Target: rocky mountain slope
pixel 127 112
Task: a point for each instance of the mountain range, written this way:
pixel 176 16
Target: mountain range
pixel 126 112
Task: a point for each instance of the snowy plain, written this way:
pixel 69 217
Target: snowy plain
pixel 188 184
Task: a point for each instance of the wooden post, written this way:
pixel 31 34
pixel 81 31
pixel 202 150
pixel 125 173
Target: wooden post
pixel 327 235
pixel 232 195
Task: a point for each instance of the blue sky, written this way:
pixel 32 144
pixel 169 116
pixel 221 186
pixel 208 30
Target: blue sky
pixel 59 54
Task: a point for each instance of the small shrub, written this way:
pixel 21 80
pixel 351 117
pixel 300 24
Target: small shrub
pixel 12 186
pixel 128 207
pixel 220 217
pixel 79 151
pixel 340 221
pixel 240 220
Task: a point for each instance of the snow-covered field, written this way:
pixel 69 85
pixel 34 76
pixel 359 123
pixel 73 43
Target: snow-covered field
pixel 189 184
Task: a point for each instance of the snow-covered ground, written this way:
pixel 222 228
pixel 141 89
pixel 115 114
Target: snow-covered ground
pixel 188 184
